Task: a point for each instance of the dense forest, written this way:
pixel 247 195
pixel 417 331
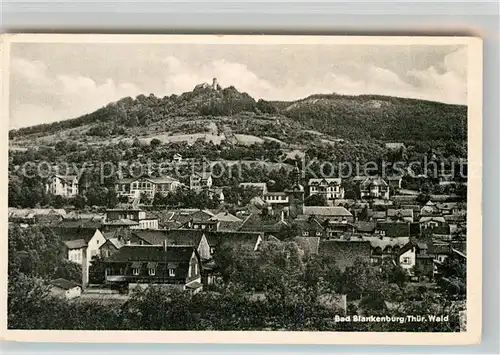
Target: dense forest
pixel 342 117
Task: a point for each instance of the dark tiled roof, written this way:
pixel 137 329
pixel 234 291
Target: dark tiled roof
pixel 148 253
pixel 233 238
pixel 327 211
pixel 74 233
pixel 395 229
pixel 172 236
pixel 365 227
pixel 80 223
pixel 64 284
pixel 75 244
pixel 345 252
pixel 259 223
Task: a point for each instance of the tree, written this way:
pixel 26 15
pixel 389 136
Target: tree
pixel 315 200
pixel 155 143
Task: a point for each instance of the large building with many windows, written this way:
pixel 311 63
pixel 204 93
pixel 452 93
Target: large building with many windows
pixel 150 186
pixel 330 188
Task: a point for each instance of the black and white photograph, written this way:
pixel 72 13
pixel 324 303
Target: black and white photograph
pixel 273 185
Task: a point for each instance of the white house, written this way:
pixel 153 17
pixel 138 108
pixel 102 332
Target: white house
pixel 133 188
pixel 177 158
pixel 276 198
pixel 329 187
pixel 62 185
pixel 84 240
pixel 66 289
pixel 199 181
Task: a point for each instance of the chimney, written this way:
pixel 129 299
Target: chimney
pixel 165 245
pixel 85 268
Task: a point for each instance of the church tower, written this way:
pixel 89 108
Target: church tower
pixel 295 194
pixel 214 84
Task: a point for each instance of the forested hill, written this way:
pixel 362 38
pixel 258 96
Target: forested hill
pixel 341 117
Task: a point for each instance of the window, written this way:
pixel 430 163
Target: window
pixel 405 260
pixel 152 272
pixel 318 234
pixel 195 269
pixel 171 272
pixel 135 271
pixel 211 250
pixel 305 234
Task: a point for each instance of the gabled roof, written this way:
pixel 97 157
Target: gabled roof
pixel 385 242
pixel 365 227
pixel 143 254
pixel 327 181
pixel 394 229
pixel 225 217
pixel 334 211
pixel 74 233
pixel 189 237
pixel 233 238
pixel 260 223
pixel 373 180
pixel 122 222
pixel 76 244
pixel 432 218
pixel 64 284
pixel 392 212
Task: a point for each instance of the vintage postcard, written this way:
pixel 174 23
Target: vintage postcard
pixel 241 189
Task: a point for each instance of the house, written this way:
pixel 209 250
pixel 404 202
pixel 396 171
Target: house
pixel 394 229
pixel 414 255
pixel 194 238
pixel 309 227
pixel 275 198
pixel 198 181
pixel 452 208
pixel 133 218
pixel 175 218
pixel 65 289
pixel 62 185
pixel 227 221
pixel 430 209
pixel 385 247
pixel 365 227
pixel 248 242
pixel 144 265
pixel 210 225
pixel 81 245
pixel 332 213
pixel 114 241
pixel 330 188
pixel 373 187
pixel 345 253
pixel 266 224
pixel 146 186
pixel 376 216
pixel 335 229
pixel 400 215
pixel 431 222
pixel 260 186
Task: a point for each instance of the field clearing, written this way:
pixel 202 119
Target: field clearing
pixel 246 139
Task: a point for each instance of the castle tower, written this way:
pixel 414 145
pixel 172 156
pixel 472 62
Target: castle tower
pixel 295 194
pixel 214 84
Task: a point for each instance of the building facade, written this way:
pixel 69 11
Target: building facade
pixel 330 188
pixel 134 188
pixel 62 185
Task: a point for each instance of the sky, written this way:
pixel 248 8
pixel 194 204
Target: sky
pixel 56 81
